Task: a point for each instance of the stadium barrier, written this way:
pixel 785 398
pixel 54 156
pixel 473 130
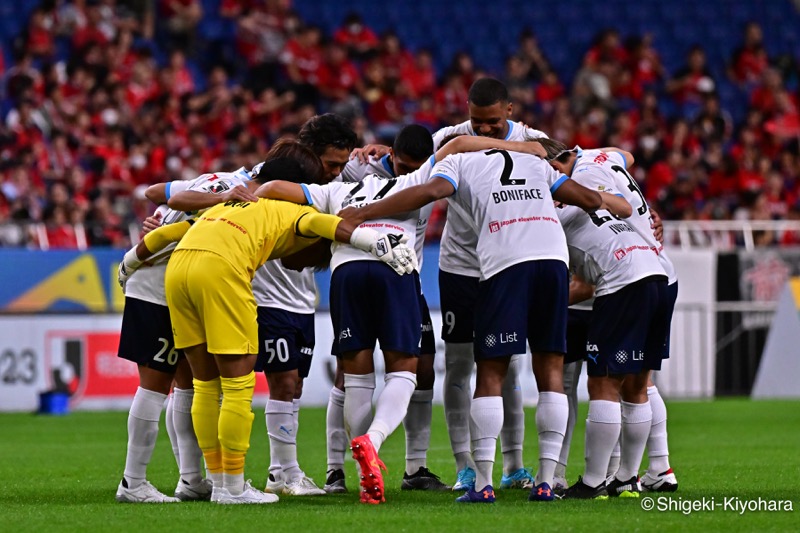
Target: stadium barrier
pixel 59 327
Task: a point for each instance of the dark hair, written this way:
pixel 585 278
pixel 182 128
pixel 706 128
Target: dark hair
pixel 487 91
pixel 322 131
pixel 556 150
pixel 291 161
pixel 414 141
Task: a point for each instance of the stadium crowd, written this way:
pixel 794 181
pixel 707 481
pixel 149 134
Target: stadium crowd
pixel 102 100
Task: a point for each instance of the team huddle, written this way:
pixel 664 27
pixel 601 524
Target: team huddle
pixel 544 247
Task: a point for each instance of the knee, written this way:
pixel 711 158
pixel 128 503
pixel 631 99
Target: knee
pixel 283 386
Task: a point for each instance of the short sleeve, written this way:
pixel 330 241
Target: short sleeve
pixel 618 158
pixel 351 172
pixel 318 196
pixel 595 178
pixel 448 169
pixel 177 186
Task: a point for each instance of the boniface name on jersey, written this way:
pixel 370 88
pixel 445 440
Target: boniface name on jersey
pixel 515 195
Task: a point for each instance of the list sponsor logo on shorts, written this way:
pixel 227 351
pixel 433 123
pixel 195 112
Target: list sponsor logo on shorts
pixel 345 334
pixel 490 341
pixel 621 356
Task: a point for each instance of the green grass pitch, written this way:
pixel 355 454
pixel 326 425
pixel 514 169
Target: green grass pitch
pixel 60 474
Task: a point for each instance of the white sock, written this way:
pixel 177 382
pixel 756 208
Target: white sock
pixel 417 425
pixel 282 440
pixel 572 374
pixel 233 482
pixel 551 423
pixel 391 406
pixel 613 463
pixel 486 422
pixel 657 445
pixel 173 438
pixel 459 365
pixel 636 421
pixel 296 415
pixel 358 390
pixel 334 429
pixel 190 453
pixel 602 433
pixel 513 433
pixel 142 432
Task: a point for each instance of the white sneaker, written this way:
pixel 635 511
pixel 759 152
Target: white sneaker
pixel 304 486
pixel 222 496
pixel 663 482
pixel 144 493
pixel 274 486
pixel 200 491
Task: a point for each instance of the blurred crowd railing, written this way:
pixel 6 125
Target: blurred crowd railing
pixel 724 235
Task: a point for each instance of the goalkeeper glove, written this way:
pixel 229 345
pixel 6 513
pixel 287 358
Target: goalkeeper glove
pixel 129 264
pixel 391 249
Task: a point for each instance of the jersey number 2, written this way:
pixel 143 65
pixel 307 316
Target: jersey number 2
pixel 508 167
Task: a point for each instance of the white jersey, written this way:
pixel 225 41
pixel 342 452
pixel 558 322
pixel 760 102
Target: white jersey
pixel 355 170
pixel 506 199
pixel 277 287
pixel 598 170
pixel 605 251
pixel 457 253
pixel 334 197
pixel 148 282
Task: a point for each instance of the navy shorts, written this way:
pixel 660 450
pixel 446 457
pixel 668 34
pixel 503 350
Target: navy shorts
pixel 285 341
pixel 371 302
pixel 672 294
pixel 146 336
pixel 524 302
pixel 428 346
pixel 577 331
pixel 458 296
pixel 628 327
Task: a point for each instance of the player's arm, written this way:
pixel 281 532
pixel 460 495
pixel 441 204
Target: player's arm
pixel 283 190
pixel 153 242
pixel 197 200
pixel 475 143
pixel 572 193
pixel 157 193
pixel 388 248
pixel 627 156
pixel 579 290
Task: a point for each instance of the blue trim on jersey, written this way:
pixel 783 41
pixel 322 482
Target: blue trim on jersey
pixel 510 127
pixel 167 189
pixel 386 165
pixel 624 161
pixel 448 178
pixel 432 160
pixel 554 187
pixel 244 173
pixel 308 195
pixel 618 194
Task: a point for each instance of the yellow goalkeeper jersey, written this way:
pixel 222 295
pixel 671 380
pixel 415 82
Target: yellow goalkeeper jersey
pixel 248 234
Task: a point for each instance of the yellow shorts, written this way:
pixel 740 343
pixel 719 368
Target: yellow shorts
pixel 210 302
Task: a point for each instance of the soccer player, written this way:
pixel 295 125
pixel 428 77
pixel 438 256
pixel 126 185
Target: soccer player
pixel 522 256
pixel 628 324
pixel 285 300
pixel 146 339
pixel 383 317
pixel 412 148
pixel 332 139
pixel 459 274
pixel 214 313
